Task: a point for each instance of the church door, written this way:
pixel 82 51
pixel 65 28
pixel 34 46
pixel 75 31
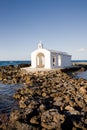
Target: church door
pixel 40 60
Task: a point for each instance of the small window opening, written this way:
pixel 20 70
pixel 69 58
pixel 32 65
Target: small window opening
pixel 54 61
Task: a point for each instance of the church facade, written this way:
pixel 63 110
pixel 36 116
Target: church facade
pixel 49 59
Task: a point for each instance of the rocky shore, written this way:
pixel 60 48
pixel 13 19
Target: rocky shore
pixel 49 100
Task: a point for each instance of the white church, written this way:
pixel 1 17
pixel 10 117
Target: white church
pixel 49 59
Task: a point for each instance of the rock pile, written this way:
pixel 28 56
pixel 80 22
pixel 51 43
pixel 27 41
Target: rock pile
pixel 11 74
pixel 51 100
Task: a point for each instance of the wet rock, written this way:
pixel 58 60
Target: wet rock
pixel 23 65
pixel 5 81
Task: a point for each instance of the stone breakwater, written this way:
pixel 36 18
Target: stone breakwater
pixel 51 100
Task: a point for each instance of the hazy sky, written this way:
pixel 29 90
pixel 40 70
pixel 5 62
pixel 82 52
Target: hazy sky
pixel 59 24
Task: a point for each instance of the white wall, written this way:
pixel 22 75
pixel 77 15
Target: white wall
pixel 46 54
pixel 65 59
pixel 54 55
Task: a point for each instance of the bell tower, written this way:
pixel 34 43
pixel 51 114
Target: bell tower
pixel 40 45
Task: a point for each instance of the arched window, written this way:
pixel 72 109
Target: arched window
pixel 40 60
pixel 59 60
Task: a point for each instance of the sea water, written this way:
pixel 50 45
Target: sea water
pixel 82 75
pixel 6 63
pixel 7 102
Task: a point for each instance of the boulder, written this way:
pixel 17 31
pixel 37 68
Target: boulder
pixel 51 119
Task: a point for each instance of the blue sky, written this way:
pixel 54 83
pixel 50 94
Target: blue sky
pixel 59 24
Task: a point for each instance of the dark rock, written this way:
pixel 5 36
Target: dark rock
pixel 48 100
pixel 23 65
pixel 51 119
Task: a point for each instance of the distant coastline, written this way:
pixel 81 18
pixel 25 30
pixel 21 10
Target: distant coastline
pixel 79 62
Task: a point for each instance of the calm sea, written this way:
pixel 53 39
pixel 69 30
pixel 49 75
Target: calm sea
pixel 7 102
pixel 82 74
pixel 6 63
